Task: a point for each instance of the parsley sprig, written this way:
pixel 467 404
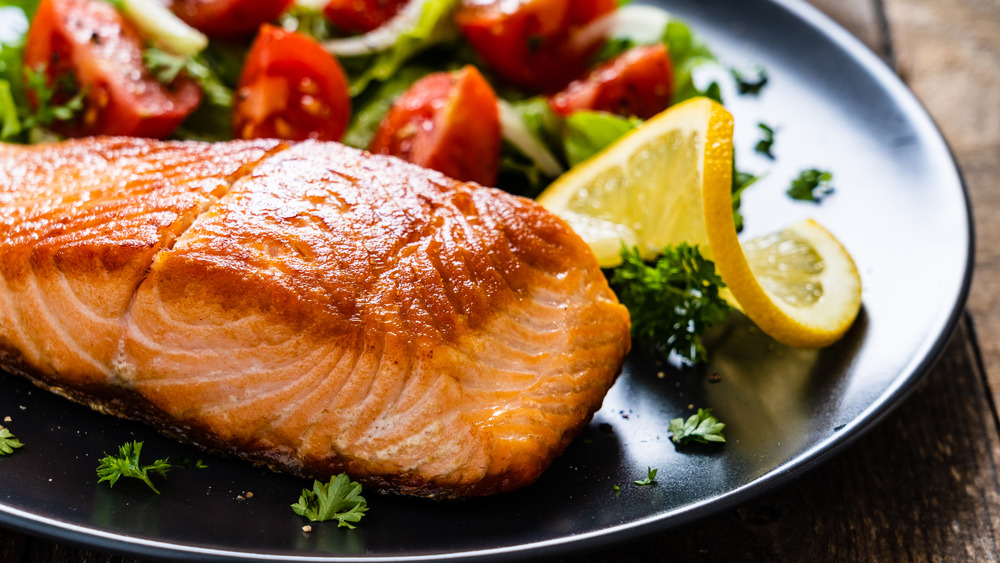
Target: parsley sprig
pixel 126 464
pixel 701 427
pixel 8 442
pixel 673 301
pixel 650 478
pixel 340 500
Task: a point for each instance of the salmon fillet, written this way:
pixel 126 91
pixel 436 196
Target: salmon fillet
pixel 311 308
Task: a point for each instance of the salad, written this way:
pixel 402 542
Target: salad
pixel 505 94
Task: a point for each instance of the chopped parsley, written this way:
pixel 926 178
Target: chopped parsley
pixel 749 82
pixel 701 427
pixel 673 301
pixel 8 442
pixel 340 500
pixel 811 185
pixel 126 464
pixel 765 145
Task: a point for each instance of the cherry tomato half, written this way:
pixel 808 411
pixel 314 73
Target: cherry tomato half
pixel 290 88
pixel 637 82
pixel 533 43
pixel 89 42
pixel 225 18
pixel 447 121
pixel 359 16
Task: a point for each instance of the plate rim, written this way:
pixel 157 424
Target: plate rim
pixel 881 407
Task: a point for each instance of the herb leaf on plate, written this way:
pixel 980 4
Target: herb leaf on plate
pixel 126 464
pixel 702 427
pixel 340 500
pixel 8 442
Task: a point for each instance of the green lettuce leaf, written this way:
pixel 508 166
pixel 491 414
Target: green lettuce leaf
pixel 434 27
pixel 586 133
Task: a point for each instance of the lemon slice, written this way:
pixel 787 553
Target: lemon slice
pixel 799 285
pixel 669 181
pixel 646 188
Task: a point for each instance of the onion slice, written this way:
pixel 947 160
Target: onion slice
pixel 381 38
pixel 159 24
pixel 514 130
pixel 640 23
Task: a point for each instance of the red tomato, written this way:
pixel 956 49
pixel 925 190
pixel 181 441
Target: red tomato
pixel 222 18
pixel 638 82
pixel 89 41
pixel 447 121
pixel 290 88
pixel 533 43
pixel 361 15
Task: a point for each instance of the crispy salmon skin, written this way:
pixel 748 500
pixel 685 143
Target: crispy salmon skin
pixel 312 308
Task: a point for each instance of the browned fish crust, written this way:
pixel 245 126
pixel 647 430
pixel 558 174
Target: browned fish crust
pixel 311 308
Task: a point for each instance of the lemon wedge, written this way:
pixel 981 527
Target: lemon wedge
pixel 669 181
pixel 645 188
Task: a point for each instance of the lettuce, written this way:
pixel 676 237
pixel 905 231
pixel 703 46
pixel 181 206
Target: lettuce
pixel 586 133
pixel 435 26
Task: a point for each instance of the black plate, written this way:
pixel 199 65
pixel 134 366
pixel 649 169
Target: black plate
pixel 899 207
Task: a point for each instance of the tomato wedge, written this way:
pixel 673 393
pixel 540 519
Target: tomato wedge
pixel 447 121
pixel 533 43
pixel 290 88
pixel 360 16
pixel 91 43
pixel 226 18
pixel 638 82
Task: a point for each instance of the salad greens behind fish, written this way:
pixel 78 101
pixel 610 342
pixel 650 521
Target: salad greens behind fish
pixel 375 80
pixel 546 143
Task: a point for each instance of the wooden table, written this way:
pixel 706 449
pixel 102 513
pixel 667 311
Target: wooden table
pixel 925 484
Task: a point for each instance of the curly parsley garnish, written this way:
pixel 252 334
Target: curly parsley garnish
pixel 701 427
pixel 8 442
pixel 340 500
pixel 650 478
pixel 811 185
pixel 126 464
pixel 673 301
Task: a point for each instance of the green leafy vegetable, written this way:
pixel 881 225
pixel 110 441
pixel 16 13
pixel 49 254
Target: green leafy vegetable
pixel 8 442
pixel 307 20
pixel 749 82
pixel 372 105
pixel 765 145
pixel 586 133
pixel 741 181
pixel 686 53
pixel 48 111
pixel 701 427
pixel 126 464
pixel 340 500
pixel 673 301
pixel 650 478
pixel 434 27
pixel 811 185
pixel 165 67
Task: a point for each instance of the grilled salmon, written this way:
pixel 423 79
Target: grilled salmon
pixel 307 307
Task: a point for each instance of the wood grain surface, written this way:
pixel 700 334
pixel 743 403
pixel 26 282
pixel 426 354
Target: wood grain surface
pixel 923 485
